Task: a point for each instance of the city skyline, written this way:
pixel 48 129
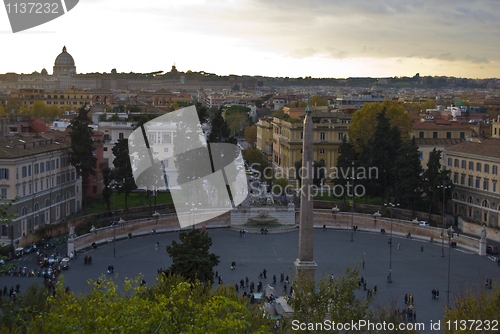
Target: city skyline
pixel 276 39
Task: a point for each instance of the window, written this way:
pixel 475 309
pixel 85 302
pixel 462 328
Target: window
pixel 322 136
pixel 494 187
pixel 94 189
pixel 464 164
pixel 17 173
pixel 42 167
pixel 24 171
pixel 52 182
pixel 105 149
pixel 421 134
pixel 165 150
pixel 471 165
pixel 17 191
pixel 478 182
pixel 478 166
pixel 462 135
pixel 29 187
pixel 57 163
pixel 63 162
pixel 166 138
pixel 4 193
pixel 321 151
pixel 449 162
pixel 120 135
pixel 52 164
pixel 456 163
pixel 469 183
pixel 36 169
pixel 63 179
pixel 47 166
pixel 58 180
pixel 448 135
pixel 462 179
pixel 4 173
pixel 302 135
pixel 341 136
pixel 41 185
pixel 494 170
pixel 24 190
pixel 36 186
pixel 434 134
pixel 94 178
pixel 485 184
pixel 29 170
pixel 47 182
pixel 94 151
pixel 486 168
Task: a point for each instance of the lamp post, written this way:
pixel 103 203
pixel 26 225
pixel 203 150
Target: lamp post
pixel 156 215
pixel 353 178
pixel 444 185
pixel 450 235
pixel 389 278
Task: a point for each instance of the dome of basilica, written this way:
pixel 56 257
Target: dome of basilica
pixel 64 59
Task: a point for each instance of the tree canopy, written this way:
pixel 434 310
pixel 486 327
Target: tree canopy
pixel 364 121
pixel 251 135
pixel 191 257
pixel 123 176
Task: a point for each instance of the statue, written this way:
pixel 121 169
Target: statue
pixel 71 232
pixel 483 232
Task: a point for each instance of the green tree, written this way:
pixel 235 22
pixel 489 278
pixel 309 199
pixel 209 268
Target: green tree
pixel 364 121
pixel 279 112
pixel 124 179
pixel 318 172
pixel 279 185
pixel 202 112
pixel 107 179
pixel 82 147
pixel 236 108
pixel 3 111
pixel 191 258
pixel 237 123
pixel 330 298
pixel 220 132
pixel 407 173
pixel 251 135
pixel 433 177
pixel 346 161
pixel 317 100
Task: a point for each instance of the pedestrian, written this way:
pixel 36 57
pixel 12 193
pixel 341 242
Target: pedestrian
pixel 90 259
pixel 364 285
pixel 414 316
pixel 363 264
pixel 282 277
pixel 236 287
pixel 242 284
pixel 291 290
pixel 85 259
pixel 437 294
pixel 5 290
pixel 375 289
pixel 274 279
pixel 252 286
pixel 246 281
pixel 433 294
pixel 216 274
pixel 264 272
pixel 490 283
pixel 18 288
pixel 244 233
pixel 220 279
pixel 399 245
pixel 284 288
pixel 406 299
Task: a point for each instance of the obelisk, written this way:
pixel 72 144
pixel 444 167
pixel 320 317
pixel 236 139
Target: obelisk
pixel 305 265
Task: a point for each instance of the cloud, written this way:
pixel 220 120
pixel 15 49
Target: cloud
pixel 302 53
pixel 476 60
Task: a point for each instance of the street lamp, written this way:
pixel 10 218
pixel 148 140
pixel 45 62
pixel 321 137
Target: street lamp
pixel 156 215
pixel 444 185
pixel 450 235
pixel 389 278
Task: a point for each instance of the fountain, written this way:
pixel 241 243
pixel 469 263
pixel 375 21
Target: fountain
pixel 262 218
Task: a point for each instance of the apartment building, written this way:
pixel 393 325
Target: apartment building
pixel 67 98
pixel 265 137
pixel 474 171
pixel 36 168
pixel 329 129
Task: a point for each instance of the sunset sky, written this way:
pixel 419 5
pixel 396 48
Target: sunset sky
pixel 294 38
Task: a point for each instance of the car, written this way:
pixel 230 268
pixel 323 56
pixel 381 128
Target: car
pixel 65 264
pixel 19 252
pixel 248 172
pixel 423 223
pixel 29 249
pixel 490 249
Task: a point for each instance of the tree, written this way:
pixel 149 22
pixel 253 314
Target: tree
pixel 330 298
pixel 364 121
pixel 317 100
pixel 220 132
pixel 3 111
pixel 191 258
pixel 279 112
pixel 202 112
pixel 257 160
pixel 346 161
pixel 318 172
pixel 123 176
pixel 236 108
pixel 434 177
pixel 13 106
pixel 81 156
pixel 175 106
pixel 475 303
pixel 251 135
pixel 107 178
pixel 407 173
pixel 170 306
pixel 237 122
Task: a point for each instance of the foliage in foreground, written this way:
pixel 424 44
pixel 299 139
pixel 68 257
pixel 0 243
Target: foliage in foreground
pixel 171 306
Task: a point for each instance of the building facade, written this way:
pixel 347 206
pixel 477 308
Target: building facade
pixel 474 172
pixel 36 168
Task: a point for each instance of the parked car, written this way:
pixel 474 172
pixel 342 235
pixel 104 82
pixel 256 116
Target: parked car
pixel 65 264
pixel 490 249
pixel 423 223
pixel 29 249
pixel 19 252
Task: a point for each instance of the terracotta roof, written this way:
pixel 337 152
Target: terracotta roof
pixel 442 142
pixel 19 146
pixel 488 148
pixel 441 125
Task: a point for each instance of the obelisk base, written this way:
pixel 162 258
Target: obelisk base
pixel 482 247
pixel 306 269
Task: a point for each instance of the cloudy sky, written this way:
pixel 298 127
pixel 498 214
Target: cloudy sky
pixel 318 38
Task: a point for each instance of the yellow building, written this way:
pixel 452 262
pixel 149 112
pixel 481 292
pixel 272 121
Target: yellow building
pixel 287 140
pixel 474 171
pixel 67 98
pixel 265 137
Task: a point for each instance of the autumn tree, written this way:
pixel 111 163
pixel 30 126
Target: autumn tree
pixel 82 148
pixel 364 121
pixel 3 111
pixel 318 101
pixel 237 122
pixel 251 135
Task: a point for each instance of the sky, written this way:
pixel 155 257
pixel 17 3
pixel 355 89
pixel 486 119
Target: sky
pixel 278 38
